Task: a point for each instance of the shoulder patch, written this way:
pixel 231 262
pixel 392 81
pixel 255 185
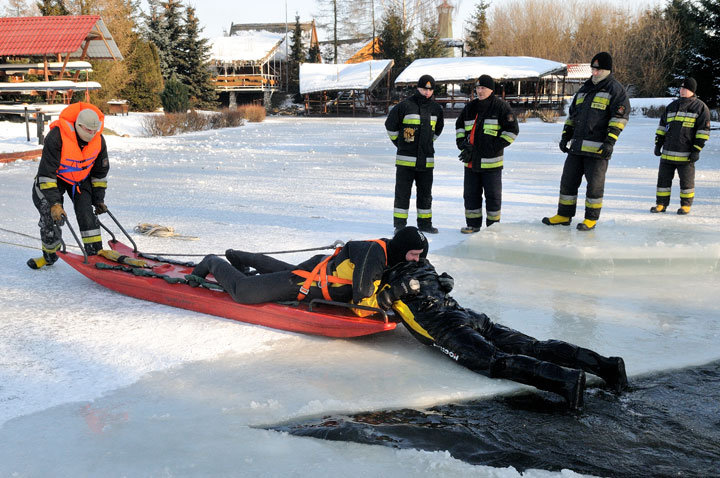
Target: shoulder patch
pixel 511 117
pixel 621 109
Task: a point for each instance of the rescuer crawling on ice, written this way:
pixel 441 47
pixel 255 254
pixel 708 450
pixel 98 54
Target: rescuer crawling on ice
pixel 420 296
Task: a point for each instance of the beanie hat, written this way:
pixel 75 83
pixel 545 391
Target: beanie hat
pixel 486 81
pixel 426 81
pixel 602 61
pixel 689 84
pixel 89 119
pixel 406 239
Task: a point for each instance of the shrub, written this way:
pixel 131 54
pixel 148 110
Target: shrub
pixel 169 124
pixel 653 111
pixel 252 113
pixel 175 98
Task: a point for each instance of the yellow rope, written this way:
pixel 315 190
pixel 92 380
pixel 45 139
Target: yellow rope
pixel 157 230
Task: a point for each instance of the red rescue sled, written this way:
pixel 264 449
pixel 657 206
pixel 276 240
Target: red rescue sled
pixel 323 319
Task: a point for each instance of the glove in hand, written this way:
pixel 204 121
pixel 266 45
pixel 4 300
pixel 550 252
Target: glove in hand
pixel 446 282
pixel 658 149
pixel 100 208
pixel 564 145
pixel 606 150
pixel 58 213
pixel 694 156
pixel 396 291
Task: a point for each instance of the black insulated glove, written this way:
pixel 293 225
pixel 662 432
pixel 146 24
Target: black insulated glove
pixel 606 150
pixel 694 156
pixel 658 149
pixel 396 291
pixel 446 282
pixel 564 145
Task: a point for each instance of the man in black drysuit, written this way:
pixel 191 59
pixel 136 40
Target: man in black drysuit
pixel 352 275
pixel 421 298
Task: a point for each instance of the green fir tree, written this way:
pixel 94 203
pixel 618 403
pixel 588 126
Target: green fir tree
pixel 143 90
pixel 429 45
pixel 477 31
pixel 195 73
pixel 395 40
pixel 297 55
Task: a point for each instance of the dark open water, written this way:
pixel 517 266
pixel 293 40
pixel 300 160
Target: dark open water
pixel 666 425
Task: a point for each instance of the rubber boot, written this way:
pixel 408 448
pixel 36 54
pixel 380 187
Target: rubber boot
pixel 586 225
pixel 610 369
pixel 490 222
pixel 469 230
pixel 658 208
pixel 556 220
pixel 47 259
pixel 566 382
pixel 684 210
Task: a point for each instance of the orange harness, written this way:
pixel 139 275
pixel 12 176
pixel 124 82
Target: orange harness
pixel 320 275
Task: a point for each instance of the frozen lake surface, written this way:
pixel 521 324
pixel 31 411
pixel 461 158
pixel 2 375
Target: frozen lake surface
pixel 93 383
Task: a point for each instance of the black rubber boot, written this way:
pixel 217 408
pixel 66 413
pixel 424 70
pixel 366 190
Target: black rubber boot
pixel 610 369
pixel 566 382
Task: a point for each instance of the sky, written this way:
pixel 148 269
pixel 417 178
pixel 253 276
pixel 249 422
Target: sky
pixel 216 17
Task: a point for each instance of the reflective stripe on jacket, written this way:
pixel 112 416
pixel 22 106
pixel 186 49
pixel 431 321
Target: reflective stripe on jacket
pixel 684 128
pixel 413 125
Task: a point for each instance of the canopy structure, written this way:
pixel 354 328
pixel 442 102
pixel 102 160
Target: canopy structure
pixel 527 83
pixel 318 77
pixel 346 86
pixel 74 37
pixel 469 68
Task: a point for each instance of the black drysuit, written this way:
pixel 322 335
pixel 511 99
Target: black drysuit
pixel 473 340
pixel 362 262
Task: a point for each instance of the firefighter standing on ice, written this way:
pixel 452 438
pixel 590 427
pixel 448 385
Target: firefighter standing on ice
pixel 74 162
pixel 681 135
pixel 413 125
pixel 485 127
pixel 598 113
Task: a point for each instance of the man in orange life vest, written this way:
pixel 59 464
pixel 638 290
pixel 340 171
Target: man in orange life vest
pixel 74 162
pixel 352 274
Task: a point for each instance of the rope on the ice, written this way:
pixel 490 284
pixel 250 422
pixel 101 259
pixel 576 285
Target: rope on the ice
pixel 336 244
pixel 29 237
pixel 157 230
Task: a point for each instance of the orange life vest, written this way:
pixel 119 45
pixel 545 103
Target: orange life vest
pixel 75 164
pixel 319 274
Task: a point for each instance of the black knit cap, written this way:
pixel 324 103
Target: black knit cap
pixel 406 239
pixel 486 81
pixel 602 60
pixel 689 84
pixel 426 81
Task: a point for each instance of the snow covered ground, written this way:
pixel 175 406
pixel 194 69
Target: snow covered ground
pixel 93 383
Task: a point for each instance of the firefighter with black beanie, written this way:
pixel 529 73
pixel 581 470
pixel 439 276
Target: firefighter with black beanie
pixel 597 115
pixel 485 127
pixel 413 125
pixel 681 135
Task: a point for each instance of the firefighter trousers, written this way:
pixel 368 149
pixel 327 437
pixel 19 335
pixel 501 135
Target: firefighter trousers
pixel 404 178
pixel 475 183
pixel 594 170
pixel 666 173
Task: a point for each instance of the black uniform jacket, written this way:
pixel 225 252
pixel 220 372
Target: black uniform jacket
pixel 362 261
pixel 598 114
pixel 683 129
pixel 52 188
pixel 413 125
pixel 496 128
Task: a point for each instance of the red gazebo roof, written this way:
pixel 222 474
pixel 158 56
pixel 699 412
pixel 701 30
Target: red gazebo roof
pixel 39 36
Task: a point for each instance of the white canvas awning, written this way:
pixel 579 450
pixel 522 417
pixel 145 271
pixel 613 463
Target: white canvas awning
pixel 315 77
pixel 460 70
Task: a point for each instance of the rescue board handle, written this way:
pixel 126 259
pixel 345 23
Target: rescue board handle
pixel 348 306
pixel 135 249
pixel 67 223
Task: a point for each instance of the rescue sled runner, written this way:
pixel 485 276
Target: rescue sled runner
pixel 158 280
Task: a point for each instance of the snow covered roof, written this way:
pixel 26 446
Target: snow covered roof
pixel 245 46
pixel 63 85
pixel 316 77
pixel 450 70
